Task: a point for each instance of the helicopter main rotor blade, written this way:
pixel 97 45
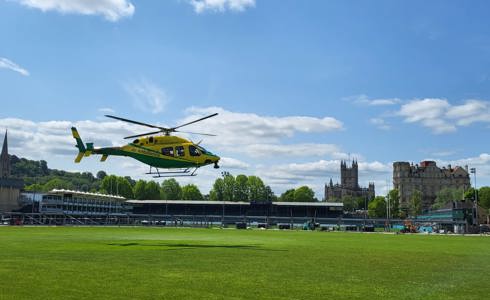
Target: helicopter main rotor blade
pixel 192 122
pixel 138 123
pixel 143 134
pixel 200 133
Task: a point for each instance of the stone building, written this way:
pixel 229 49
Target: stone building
pixel 428 179
pixel 349 185
pixel 9 187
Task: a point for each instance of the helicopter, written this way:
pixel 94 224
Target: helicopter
pixel 177 155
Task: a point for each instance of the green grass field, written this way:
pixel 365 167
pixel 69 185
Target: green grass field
pixel 173 263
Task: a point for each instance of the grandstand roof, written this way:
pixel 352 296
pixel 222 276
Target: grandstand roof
pixel 335 204
pixel 185 202
pixel 318 203
pixel 98 195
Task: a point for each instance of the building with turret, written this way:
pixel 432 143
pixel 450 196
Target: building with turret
pixel 349 185
pixel 9 187
pixel 428 179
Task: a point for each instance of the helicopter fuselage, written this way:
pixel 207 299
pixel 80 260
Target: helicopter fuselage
pixel 167 152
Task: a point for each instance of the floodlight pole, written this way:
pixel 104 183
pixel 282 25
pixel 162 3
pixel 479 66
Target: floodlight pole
pixel 473 171
pixel 224 174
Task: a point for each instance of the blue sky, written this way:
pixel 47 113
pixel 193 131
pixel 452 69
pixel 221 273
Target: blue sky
pixel 299 85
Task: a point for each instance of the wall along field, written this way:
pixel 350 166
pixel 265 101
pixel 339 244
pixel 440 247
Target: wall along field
pixel 175 263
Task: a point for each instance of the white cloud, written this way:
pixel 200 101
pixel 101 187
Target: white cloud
pixel 364 100
pixel 379 102
pixel 147 96
pixel 430 112
pixel 470 112
pixel 274 150
pixel 221 5
pixel 317 173
pixel 10 65
pixel 232 163
pixel 42 140
pixel 480 162
pixel 246 128
pixel 321 169
pixel 443 153
pixel 442 117
pixel 262 136
pixel 380 123
pixel 106 110
pixel 112 10
pixel 246 137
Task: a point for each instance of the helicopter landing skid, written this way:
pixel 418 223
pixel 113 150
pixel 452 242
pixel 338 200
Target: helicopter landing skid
pixel 173 172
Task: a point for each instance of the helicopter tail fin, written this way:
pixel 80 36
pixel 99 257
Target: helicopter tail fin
pixel 82 151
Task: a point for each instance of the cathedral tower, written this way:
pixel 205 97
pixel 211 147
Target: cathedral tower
pixel 4 159
pixel 349 176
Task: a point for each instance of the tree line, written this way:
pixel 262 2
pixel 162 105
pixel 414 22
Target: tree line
pixel 38 177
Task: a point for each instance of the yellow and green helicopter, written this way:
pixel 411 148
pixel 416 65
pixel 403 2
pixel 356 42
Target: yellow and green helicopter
pixel 178 156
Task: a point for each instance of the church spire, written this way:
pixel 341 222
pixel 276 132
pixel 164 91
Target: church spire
pixel 4 159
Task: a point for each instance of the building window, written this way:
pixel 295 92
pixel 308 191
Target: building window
pixel 168 151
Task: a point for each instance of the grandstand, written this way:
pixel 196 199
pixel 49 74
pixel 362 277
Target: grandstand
pixel 64 207
pixel 59 207
pixel 226 212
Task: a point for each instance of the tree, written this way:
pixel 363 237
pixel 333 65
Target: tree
pixel 131 181
pixel 101 175
pixel 241 188
pixel 256 189
pixel 191 192
pixel 445 196
pixel 350 203
pixel 377 207
pixel 216 194
pixel 361 202
pixel 228 187
pixel 57 183
pixel 287 196
pixel 171 190
pixel 304 194
pixel 269 194
pixel 36 187
pixel 152 190
pixel 44 167
pixel 109 185
pixel 416 203
pixel 139 190
pixel 124 188
pixel 470 194
pixel 394 196
pixel 484 197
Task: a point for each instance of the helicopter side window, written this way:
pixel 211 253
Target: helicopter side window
pixel 194 151
pixel 136 141
pixel 150 140
pixel 180 150
pixel 168 151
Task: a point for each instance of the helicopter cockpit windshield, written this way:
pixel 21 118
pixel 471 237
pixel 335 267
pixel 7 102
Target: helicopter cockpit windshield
pixel 204 151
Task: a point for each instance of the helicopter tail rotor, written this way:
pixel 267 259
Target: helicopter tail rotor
pixel 82 150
